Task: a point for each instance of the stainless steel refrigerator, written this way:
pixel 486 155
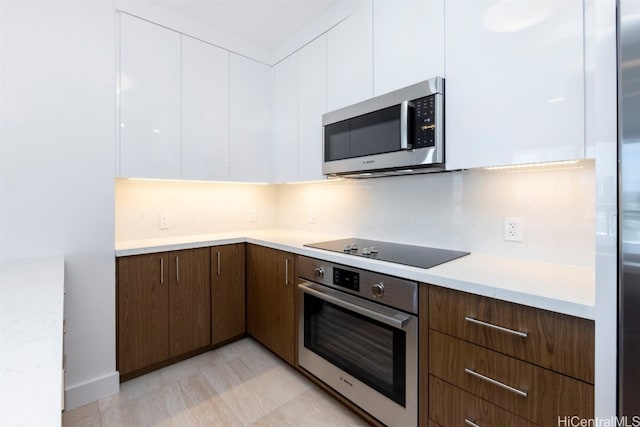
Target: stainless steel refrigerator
pixel 629 207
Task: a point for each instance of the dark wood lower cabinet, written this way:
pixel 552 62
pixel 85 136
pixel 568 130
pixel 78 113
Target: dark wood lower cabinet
pixel 475 374
pixel 163 305
pixel 143 308
pixel 270 299
pixel 227 292
pixel 454 407
pixel 172 305
pixel 423 355
pixel 189 301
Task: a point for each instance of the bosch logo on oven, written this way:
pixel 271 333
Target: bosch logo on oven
pixel 346 382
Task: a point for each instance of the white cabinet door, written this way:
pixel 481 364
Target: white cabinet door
pixel 350 59
pixel 408 42
pixel 250 89
pixel 205 111
pixel 514 82
pixel 312 104
pixel 149 100
pixel 285 110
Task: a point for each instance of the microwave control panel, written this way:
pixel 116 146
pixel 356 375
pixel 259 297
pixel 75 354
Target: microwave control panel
pixel 425 122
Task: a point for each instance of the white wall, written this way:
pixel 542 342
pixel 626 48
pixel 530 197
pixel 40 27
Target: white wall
pixel 57 168
pixel 458 210
pixel 193 208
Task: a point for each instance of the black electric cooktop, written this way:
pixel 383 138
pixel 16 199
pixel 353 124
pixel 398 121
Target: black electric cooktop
pixel 415 256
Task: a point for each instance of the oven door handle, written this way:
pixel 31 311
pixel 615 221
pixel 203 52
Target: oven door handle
pixel 397 321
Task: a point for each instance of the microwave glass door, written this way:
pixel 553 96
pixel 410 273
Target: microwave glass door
pixel 374 133
pixel 370 351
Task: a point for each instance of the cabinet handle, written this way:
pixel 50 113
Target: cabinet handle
pixel 494 382
pixel 468 422
pixel 162 271
pixel 218 263
pixel 286 271
pixel 496 327
pixel 177 269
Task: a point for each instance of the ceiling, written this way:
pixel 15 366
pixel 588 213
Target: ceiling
pixel 265 23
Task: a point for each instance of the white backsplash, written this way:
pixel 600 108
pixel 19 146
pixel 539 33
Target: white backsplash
pixel 193 208
pixel 457 210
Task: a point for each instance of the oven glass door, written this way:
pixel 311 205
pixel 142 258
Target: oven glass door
pixel 367 349
pixel 373 133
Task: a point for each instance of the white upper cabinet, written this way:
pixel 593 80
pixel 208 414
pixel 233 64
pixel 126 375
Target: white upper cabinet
pixel 408 42
pixel 205 111
pixel 250 89
pixel 350 59
pixel 285 123
pixel 299 102
pixel 312 104
pixel 149 100
pixel 514 82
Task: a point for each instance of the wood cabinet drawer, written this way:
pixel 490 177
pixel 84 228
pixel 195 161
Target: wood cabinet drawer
pixel 554 341
pixel 451 407
pixel 522 388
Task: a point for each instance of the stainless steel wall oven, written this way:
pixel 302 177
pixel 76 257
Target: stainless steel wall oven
pixel 358 333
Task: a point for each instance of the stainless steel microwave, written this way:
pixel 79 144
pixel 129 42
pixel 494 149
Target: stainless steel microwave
pixel 400 132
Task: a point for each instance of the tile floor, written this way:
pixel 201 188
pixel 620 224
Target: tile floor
pixel 241 384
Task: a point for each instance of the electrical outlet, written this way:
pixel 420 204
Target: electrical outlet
pixel 165 222
pixel 513 229
pixel 313 216
pixel 252 215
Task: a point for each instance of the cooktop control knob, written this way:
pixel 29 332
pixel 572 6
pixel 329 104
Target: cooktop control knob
pixel 374 250
pixel 319 272
pixel 354 246
pixel 366 251
pixel 377 290
pixel 347 248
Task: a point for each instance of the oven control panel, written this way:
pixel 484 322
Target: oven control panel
pixel 346 279
pixel 395 292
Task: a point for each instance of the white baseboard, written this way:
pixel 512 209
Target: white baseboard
pixel 81 394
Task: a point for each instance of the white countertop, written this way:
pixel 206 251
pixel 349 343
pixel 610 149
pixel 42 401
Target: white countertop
pixel 561 288
pixel 31 316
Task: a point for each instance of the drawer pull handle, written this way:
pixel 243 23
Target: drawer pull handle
pixel 468 422
pixel 496 327
pixel 286 271
pixel 494 382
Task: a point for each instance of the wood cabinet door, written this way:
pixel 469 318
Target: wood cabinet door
pixel 143 307
pixel 270 299
pixel 190 296
pixel 227 292
pixel 284 340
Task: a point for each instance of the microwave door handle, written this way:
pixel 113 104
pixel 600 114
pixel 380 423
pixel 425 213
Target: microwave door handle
pixel 404 125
